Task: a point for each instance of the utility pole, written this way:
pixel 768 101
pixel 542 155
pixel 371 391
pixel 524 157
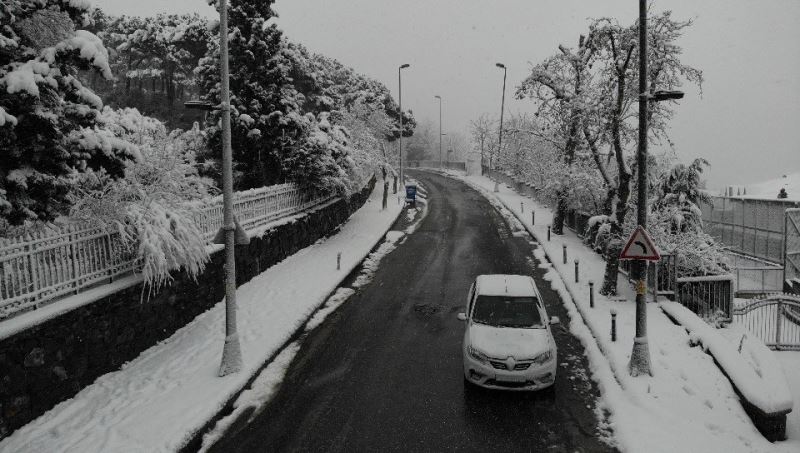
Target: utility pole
pixel 440 130
pixel 640 356
pixel 502 108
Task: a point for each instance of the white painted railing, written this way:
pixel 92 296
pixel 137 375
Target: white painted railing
pixel 39 268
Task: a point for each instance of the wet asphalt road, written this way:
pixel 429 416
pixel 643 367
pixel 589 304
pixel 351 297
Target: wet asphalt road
pixel 384 372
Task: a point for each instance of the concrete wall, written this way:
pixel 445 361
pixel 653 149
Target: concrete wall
pixel 53 361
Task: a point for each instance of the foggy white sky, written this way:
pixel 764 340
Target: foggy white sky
pixel 747 123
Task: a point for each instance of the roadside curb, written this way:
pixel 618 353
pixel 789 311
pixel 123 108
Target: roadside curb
pixel 194 442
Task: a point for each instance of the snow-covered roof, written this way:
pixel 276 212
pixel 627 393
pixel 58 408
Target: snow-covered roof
pixel 506 285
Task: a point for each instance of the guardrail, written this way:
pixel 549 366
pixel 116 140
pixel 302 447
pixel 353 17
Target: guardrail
pixel 37 269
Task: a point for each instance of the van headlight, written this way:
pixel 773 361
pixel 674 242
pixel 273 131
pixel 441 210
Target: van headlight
pixel 543 357
pixel 477 355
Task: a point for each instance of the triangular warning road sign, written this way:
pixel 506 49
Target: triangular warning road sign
pixel 640 247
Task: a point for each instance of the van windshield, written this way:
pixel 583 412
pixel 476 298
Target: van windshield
pixel 505 311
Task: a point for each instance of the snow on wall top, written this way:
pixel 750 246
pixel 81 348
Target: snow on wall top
pixel 764 386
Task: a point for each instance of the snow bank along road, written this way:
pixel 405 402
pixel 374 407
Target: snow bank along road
pixel 384 372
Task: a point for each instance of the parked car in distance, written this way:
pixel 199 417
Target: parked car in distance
pixel 507 341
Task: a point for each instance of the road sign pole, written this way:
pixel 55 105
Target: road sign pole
pixel 640 355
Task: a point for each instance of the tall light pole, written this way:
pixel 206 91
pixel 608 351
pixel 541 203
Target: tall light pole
pixel 400 106
pixel 440 129
pixel 640 356
pixel 502 107
pixel 231 351
pixel 441 134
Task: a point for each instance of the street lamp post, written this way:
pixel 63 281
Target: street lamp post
pixel 400 106
pixel 231 351
pixel 441 134
pixel 640 356
pixel 502 107
pixel 440 129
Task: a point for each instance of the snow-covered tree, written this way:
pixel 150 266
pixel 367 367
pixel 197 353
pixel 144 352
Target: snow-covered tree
pixel 155 205
pixel 49 131
pixel 163 52
pixel 483 132
pixel 681 193
pixel 273 140
pixel 561 86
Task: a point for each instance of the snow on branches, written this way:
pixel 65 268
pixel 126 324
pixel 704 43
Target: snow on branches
pixel 48 128
pixel 155 204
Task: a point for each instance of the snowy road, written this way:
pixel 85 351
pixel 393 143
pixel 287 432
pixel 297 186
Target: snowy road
pixel 384 372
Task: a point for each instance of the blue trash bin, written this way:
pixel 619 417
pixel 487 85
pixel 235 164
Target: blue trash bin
pixel 411 195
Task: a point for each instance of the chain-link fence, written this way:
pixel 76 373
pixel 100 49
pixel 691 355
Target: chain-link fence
pixel 750 226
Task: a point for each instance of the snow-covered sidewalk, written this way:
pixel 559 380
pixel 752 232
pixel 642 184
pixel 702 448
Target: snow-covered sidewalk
pixel 688 405
pixel 158 401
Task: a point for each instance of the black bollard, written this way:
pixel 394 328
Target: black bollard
pixel 548 233
pixel 613 325
pixel 522 207
pixel 591 294
pixel 564 250
pixel 533 218
pixel 577 279
pixel 338 261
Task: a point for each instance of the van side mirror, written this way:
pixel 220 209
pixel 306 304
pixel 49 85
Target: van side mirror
pixel 554 320
pixel 462 316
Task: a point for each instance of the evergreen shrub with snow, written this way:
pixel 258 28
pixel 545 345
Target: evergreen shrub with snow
pixel 49 130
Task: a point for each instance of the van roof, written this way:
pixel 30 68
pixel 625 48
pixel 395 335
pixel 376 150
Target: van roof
pixel 506 285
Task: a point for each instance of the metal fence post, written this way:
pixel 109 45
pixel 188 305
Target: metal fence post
pixel 74 253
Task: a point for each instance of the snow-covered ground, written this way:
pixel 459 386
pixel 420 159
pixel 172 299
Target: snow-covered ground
pixel 687 405
pixel 156 402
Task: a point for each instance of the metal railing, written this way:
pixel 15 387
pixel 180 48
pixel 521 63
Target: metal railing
pixel 664 273
pixel 758 280
pixel 710 297
pixel 775 320
pixel 37 269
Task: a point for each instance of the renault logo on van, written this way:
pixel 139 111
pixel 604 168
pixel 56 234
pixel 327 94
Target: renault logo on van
pixel 510 363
